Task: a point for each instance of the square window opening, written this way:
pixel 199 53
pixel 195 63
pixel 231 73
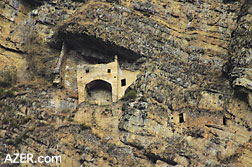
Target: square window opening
pixel 181 118
pixel 123 82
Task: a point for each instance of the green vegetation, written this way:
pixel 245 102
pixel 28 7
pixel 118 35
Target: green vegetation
pixel 4 84
pixel 66 110
pixel 6 93
pixel 5 120
pixel 70 119
pixel 23 136
pixel 84 126
pixel 124 107
pixel 131 94
pixel 23 101
pixel 14 122
pixel 7 79
pixel 25 120
pixel 9 93
pixel 5 107
pixel 10 141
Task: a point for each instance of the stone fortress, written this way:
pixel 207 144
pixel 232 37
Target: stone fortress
pixel 99 84
pixel 103 83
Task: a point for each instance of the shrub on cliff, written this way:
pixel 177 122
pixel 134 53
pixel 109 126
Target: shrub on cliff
pixel 8 77
pixel 131 94
pixel 6 93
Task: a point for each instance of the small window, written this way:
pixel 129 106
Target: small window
pixel 87 70
pixel 224 120
pixel 123 82
pixel 181 118
pixel 109 70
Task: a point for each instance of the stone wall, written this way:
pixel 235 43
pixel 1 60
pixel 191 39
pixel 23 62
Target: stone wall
pixel 111 73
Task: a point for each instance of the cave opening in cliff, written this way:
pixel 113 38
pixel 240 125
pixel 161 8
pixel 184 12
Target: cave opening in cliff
pixel 96 51
pixel 241 93
pixel 99 92
pixel 77 51
pixel 30 5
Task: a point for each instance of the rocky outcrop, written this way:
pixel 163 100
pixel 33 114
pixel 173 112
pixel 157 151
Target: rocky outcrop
pixel 239 66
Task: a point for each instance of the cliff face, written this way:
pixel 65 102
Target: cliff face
pixel 193 97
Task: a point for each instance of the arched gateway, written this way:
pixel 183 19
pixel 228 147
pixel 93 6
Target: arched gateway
pixel 99 92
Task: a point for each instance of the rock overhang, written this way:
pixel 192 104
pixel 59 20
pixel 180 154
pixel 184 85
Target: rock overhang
pixel 99 50
pixel 86 28
pixel 129 32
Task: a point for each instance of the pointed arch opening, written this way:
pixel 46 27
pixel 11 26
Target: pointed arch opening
pixel 99 92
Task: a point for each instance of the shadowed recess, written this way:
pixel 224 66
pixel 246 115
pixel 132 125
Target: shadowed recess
pixel 102 52
pixel 99 91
